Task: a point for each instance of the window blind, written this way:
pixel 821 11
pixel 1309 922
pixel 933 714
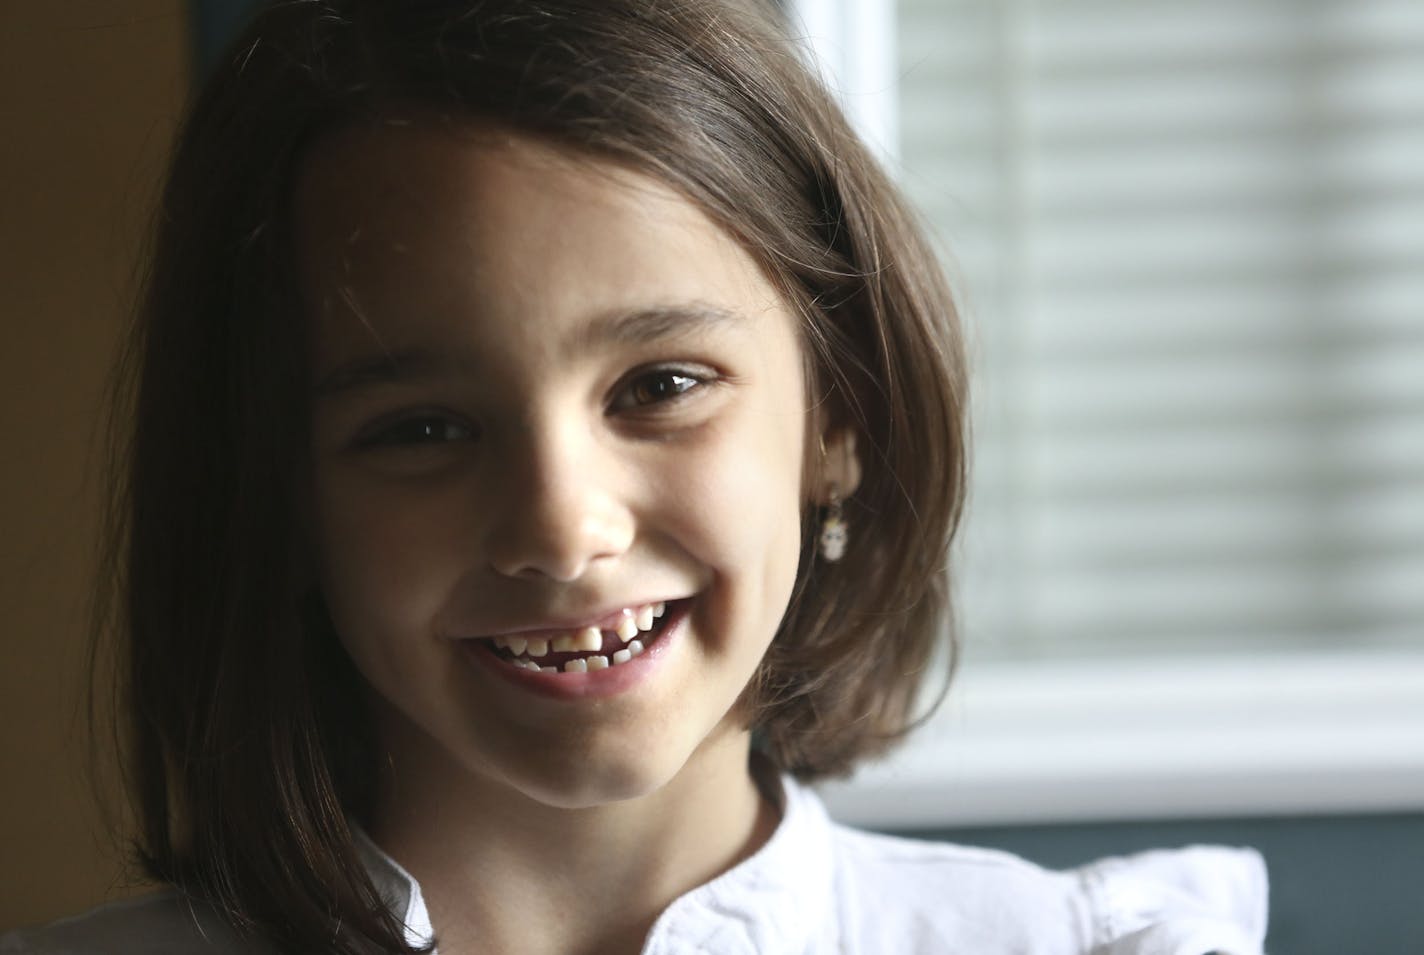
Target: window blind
pixel 1189 239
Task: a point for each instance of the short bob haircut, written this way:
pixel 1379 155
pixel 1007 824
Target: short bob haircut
pixel 244 732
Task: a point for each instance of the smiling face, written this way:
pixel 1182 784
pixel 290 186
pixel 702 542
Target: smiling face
pixel 546 390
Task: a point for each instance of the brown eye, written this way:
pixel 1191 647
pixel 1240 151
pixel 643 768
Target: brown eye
pixel 420 430
pixel 654 390
pixel 661 386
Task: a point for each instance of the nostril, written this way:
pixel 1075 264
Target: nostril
pixel 543 564
pixel 558 538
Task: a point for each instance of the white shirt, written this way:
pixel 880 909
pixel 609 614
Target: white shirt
pixel 818 888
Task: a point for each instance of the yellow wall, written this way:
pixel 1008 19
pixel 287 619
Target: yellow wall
pixel 89 93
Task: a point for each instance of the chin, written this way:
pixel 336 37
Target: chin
pixel 624 773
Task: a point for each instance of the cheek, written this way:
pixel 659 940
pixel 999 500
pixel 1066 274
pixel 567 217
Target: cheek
pixel 741 499
pixel 743 505
pixel 382 559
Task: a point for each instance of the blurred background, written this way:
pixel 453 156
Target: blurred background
pixel 90 91
pixel 1189 241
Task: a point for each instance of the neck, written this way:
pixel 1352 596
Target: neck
pixel 503 872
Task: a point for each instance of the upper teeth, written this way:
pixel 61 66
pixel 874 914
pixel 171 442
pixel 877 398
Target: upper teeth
pixel 631 622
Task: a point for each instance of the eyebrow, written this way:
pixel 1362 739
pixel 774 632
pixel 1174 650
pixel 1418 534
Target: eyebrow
pixel 660 322
pixel 655 323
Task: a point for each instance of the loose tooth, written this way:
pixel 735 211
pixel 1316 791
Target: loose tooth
pixel 645 617
pixel 621 656
pixel 576 666
pixel 627 629
pixel 546 669
pixel 635 647
pixel 589 638
pixel 598 662
pixel 538 646
pixel 563 643
pixel 659 609
pixel 516 645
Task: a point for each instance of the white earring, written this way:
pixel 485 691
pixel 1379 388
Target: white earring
pixel 834 532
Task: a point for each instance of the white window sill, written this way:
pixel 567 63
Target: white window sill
pixel 1160 739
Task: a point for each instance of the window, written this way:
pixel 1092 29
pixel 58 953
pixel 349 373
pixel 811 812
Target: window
pixel 1190 245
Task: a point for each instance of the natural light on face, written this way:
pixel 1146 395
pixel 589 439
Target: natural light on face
pixel 547 390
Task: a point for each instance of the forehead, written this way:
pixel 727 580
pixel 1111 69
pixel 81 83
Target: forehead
pixel 372 186
pixel 405 227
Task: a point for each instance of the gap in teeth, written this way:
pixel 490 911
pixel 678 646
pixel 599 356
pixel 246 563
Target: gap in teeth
pixel 581 641
pixel 634 620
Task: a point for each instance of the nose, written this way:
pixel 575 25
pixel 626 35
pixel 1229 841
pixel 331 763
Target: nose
pixel 561 511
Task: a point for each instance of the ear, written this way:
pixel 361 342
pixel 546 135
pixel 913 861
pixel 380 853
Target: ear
pixel 838 470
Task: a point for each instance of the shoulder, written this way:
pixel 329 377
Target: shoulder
pixel 163 923
pixel 1180 902
pixel 1198 899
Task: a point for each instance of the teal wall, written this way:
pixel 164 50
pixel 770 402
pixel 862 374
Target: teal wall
pixel 1340 885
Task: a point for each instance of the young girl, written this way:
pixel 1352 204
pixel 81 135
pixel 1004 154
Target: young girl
pixel 548 430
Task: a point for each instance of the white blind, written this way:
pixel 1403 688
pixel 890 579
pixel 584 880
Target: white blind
pixel 1190 238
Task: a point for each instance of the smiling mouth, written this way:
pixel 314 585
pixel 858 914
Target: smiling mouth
pixel 588 648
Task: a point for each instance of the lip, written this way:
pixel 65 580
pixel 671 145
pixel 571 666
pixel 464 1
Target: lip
pixel 603 621
pixel 595 684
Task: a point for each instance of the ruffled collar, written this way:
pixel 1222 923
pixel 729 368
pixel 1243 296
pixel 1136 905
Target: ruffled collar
pixel 775 900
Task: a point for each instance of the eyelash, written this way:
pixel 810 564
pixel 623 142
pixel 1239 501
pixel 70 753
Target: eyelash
pixel 685 381
pixel 433 428
pixel 416 429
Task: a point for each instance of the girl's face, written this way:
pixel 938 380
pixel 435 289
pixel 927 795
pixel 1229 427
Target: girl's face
pixel 546 391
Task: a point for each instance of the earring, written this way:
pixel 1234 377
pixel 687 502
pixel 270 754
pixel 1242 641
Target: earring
pixel 834 533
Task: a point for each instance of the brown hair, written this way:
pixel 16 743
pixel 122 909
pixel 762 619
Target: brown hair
pixel 246 746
